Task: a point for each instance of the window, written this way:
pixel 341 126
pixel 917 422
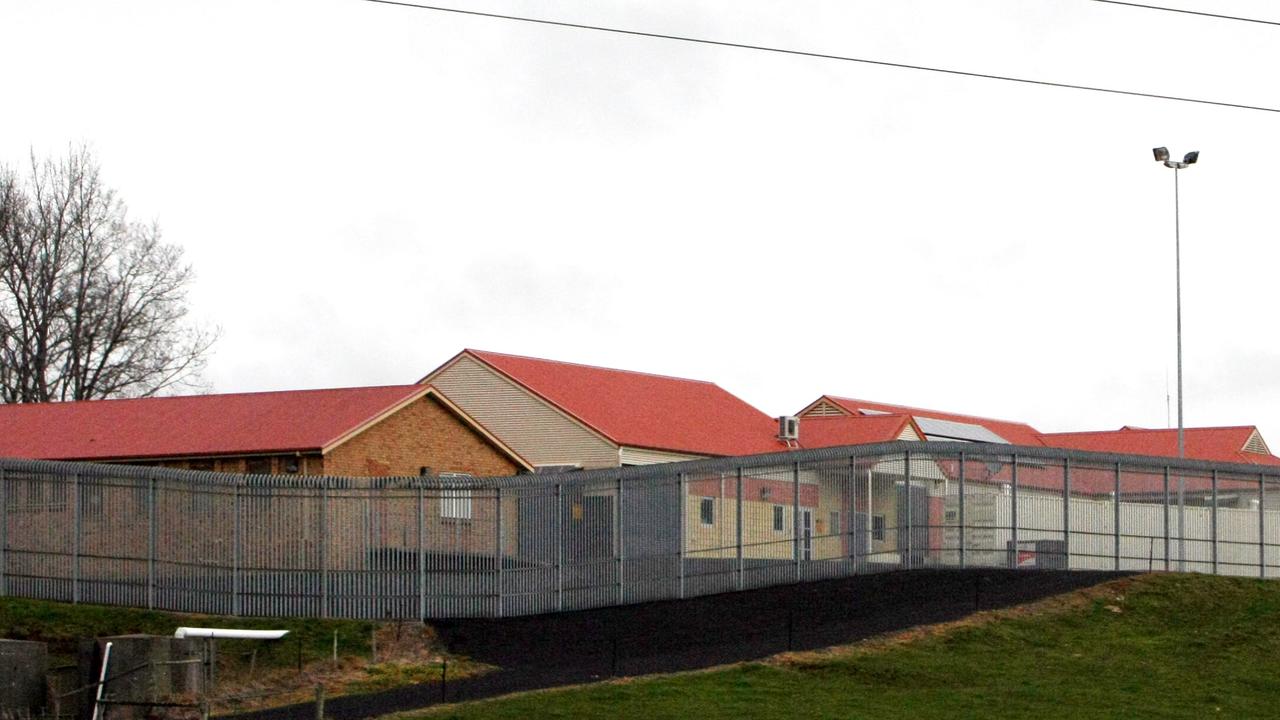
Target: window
pixel 199 502
pixel 91 500
pixel 256 495
pixel 835 523
pixel 777 518
pixel 455 504
pixel 258 466
pixel 877 527
pixel 35 494
pixel 707 511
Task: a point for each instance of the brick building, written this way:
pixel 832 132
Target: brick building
pixel 353 432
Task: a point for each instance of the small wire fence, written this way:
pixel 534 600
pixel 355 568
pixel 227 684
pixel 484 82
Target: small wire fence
pixel 427 547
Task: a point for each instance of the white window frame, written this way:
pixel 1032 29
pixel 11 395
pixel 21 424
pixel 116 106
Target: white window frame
pixel 455 504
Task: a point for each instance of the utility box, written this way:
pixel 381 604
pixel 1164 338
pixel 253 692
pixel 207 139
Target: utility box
pixel 1039 554
pixel 23 666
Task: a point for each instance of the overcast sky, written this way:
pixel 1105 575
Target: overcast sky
pixel 364 190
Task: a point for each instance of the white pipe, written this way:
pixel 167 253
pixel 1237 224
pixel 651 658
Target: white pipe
pixel 229 633
pixel 102 679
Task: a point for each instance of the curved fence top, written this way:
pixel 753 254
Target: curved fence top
pixel 639 472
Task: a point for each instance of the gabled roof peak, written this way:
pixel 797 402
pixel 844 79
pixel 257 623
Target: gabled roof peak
pixel 491 354
pixel 637 409
pixel 910 410
pixel 1012 431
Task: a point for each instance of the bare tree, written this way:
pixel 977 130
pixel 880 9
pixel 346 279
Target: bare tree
pixel 92 305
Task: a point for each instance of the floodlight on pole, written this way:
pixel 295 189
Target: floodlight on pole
pixel 1162 156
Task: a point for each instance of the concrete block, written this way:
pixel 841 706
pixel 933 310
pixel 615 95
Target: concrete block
pixel 156 675
pixel 23 666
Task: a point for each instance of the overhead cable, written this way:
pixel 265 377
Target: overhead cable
pixel 1163 8
pixel 826 56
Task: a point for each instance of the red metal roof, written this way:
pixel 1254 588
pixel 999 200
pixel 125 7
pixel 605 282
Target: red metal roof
pixel 197 425
pixel 645 411
pixel 833 431
pixel 1221 444
pixel 1015 432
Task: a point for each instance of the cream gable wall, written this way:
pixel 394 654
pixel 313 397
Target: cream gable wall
pixel 531 426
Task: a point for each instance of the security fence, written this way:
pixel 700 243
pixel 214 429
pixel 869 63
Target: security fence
pixel 438 547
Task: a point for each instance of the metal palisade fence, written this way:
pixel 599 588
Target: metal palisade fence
pixel 435 547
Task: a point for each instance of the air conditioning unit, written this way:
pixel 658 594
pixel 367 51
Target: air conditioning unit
pixel 788 427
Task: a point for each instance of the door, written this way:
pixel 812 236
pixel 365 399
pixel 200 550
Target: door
pixel 861 536
pixel 913 524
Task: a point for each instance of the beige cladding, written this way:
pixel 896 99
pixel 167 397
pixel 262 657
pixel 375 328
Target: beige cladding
pixel 641 456
pixel 526 423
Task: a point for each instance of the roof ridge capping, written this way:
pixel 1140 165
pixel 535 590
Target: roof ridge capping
pixel 482 353
pixel 874 416
pixel 912 410
pixel 196 396
pixel 1132 429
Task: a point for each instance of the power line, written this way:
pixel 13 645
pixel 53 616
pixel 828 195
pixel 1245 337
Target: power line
pixel 824 56
pixel 1162 8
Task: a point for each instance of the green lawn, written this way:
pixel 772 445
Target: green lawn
pixel 1161 646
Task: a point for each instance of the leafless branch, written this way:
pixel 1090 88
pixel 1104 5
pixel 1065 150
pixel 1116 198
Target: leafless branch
pixel 92 304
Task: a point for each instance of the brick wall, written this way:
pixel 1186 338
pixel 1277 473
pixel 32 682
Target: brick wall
pixel 422 434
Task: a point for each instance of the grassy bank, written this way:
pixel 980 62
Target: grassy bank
pixel 62 624
pixel 370 656
pixel 1163 646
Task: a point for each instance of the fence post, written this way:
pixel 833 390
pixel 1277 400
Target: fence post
pixel 683 489
pixel 324 547
pixel 1213 522
pixel 75 540
pixel 1182 528
pixel 851 515
pixel 235 549
pixel 906 484
pixel 1066 513
pixel 741 566
pixel 1116 518
pixel 559 546
pixel 422 550
pixel 4 533
pixel 1013 507
pixel 1262 526
pixel 151 540
pixel 963 529
pixel 319 706
pixel 497 511
pixel 622 560
pixel 795 516
pixel 1166 518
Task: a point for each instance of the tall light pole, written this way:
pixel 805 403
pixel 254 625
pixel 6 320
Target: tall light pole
pixel 1162 156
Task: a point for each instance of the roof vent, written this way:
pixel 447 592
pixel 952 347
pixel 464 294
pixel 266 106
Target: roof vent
pixel 1255 444
pixel 788 428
